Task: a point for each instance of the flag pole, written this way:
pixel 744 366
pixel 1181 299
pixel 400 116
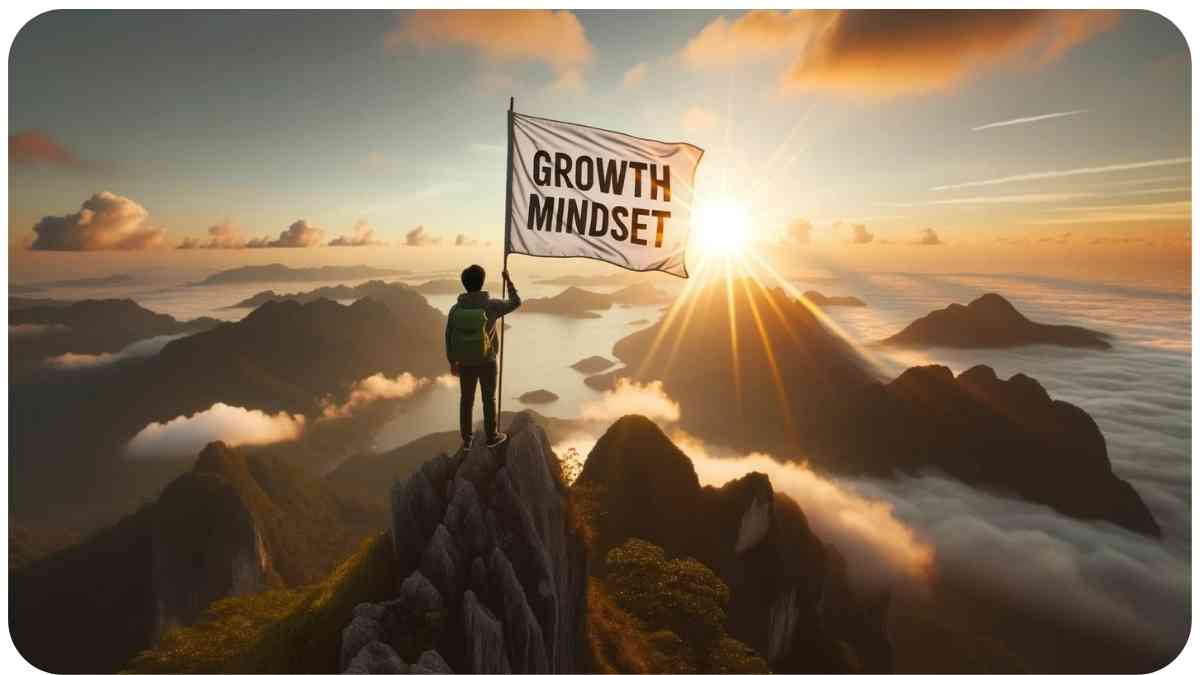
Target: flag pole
pixel 504 285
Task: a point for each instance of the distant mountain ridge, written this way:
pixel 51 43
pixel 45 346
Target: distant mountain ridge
pixel 789 383
pixel 93 327
pixel 581 304
pixel 278 272
pixel 86 282
pixel 991 322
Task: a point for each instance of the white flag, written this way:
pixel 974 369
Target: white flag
pixel 582 192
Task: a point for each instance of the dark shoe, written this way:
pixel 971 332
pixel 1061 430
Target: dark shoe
pixel 497 440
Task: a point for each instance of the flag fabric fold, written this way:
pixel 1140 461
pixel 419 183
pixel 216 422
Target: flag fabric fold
pixel 582 192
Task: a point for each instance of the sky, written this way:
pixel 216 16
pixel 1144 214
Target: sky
pixel 1024 141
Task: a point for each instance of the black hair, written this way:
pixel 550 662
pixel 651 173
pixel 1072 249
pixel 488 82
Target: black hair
pixel 472 278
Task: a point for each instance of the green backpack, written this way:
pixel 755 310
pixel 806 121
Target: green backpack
pixel 470 341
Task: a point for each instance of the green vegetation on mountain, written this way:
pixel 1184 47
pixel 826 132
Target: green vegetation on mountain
pixel 279 631
pixel 660 615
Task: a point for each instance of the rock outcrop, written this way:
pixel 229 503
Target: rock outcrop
pixel 494 570
pixel 787 590
pixel 592 365
pixel 538 396
pixel 821 300
pixel 991 322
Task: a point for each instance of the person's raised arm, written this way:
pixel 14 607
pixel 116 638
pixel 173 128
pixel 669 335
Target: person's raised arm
pixel 514 300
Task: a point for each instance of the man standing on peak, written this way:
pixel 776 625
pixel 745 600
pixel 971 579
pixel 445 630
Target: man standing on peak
pixel 471 347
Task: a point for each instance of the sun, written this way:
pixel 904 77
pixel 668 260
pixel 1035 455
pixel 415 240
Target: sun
pixel 721 228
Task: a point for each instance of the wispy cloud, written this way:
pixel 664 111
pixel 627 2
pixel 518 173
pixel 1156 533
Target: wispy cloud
pixel 1027 120
pixel 1083 171
pixel 1031 198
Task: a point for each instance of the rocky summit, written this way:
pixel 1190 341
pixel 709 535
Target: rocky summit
pixel 493 568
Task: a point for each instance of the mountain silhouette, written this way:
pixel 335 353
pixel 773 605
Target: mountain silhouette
pixel 282 273
pixel 235 523
pixel 282 357
pixel 790 387
pixel 821 300
pixel 991 322
pixel 92 327
pixel 580 304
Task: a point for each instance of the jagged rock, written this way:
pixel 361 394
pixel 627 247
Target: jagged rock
pixel 464 519
pixel 522 633
pixel 376 657
pixel 442 561
pixel 363 630
pixel 756 522
pixel 495 576
pixel 368 610
pixel 416 510
pixel 417 594
pixel 530 560
pixel 479 579
pixel 484 638
pixel 431 662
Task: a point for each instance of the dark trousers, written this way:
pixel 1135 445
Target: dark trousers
pixel 485 375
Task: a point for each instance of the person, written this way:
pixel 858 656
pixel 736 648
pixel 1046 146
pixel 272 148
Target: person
pixel 471 347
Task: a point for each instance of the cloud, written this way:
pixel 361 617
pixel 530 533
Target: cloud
pixel 187 435
pixel 569 82
pixel 105 221
pixel 1087 170
pixel 860 235
pixel 1027 120
pixel 1027 556
pixel 798 231
pixel 224 235
pixel 1034 198
pixel 882 53
pixel 755 35
pixel 634 76
pixel 696 118
pixel 374 388
pixel 629 398
pixel 880 550
pixel 364 235
pixel 140 349
pixel 464 240
pixel 928 238
pixel 37 147
pixel 556 39
pixel 1119 240
pixel 298 235
pixel 1055 238
pixel 419 237
pixel 21 330
pixel 73 361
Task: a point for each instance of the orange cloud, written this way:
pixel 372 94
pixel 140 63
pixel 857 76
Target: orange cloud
pixel 299 234
pixel 755 35
pixel 554 38
pixel 889 53
pixel 36 147
pixel 222 235
pixel 105 221
pixel 884 53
